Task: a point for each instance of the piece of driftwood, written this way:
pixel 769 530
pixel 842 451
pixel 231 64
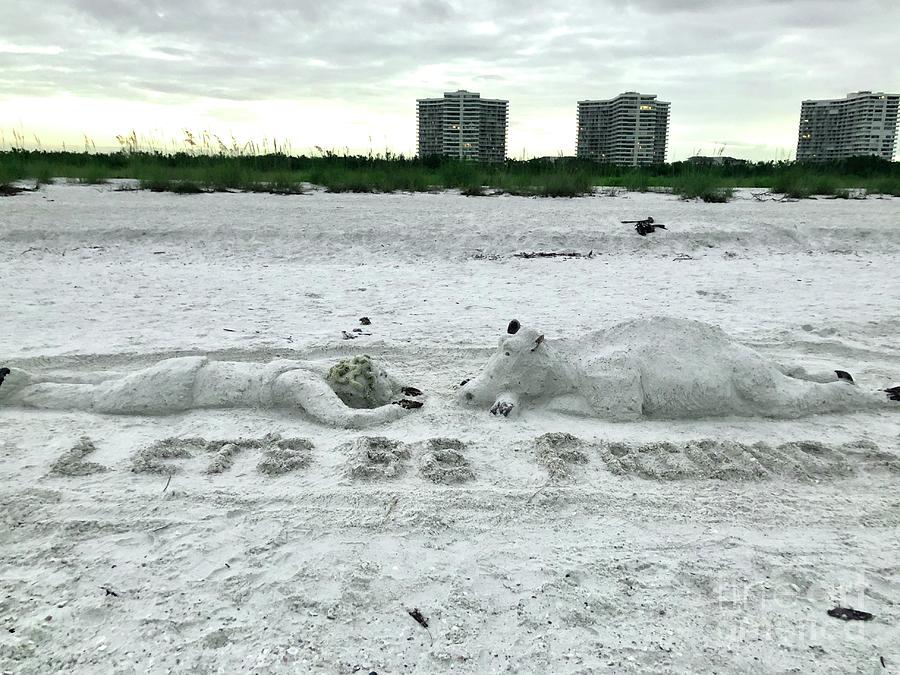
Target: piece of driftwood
pixel 551 254
pixel 769 197
pixel 645 226
pixel 355 333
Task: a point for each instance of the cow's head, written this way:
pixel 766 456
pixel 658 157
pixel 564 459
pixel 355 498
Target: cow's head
pixel 521 365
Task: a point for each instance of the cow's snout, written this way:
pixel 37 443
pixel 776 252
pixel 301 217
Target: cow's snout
pixel 465 394
pixel 467 390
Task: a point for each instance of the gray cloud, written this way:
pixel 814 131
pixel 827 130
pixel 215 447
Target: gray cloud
pixel 718 62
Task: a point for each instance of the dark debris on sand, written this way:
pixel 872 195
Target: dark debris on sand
pixel 850 614
pixel 11 190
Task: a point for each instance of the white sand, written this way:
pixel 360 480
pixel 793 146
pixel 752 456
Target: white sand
pixel 691 557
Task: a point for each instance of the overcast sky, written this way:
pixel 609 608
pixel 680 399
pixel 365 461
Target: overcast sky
pixel 346 74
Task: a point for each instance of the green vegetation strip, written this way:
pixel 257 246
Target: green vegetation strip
pixel 191 173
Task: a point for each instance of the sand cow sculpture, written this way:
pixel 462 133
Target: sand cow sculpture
pixel 354 393
pixel 660 367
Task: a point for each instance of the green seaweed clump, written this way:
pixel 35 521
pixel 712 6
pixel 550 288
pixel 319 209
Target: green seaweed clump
pixel 360 383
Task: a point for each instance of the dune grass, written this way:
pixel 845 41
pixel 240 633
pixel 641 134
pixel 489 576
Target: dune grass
pixel 636 181
pixel 278 173
pixel 704 186
pixel 885 185
pixel 803 184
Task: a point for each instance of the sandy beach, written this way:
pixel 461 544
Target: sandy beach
pixel 544 543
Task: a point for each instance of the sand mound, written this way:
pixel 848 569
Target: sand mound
pixel 153 458
pixel 286 455
pixel 224 453
pixel 280 455
pixel 558 452
pixel 375 457
pixel 729 460
pixel 72 463
pixel 443 462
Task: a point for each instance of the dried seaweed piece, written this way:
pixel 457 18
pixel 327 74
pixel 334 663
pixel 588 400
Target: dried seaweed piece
pixel 528 255
pixel 409 404
pixel 418 616
pixel 850 614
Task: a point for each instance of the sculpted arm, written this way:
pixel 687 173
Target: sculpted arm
pixel 298 388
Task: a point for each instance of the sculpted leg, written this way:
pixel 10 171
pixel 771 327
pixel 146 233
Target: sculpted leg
pixel 55 396
pixel 801 373
pixel 506 404
pixel 159 389
pixel 790 397
pixel 164 388
pixel 51 391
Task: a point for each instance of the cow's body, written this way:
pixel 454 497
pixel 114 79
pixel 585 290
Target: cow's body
pixel 661 367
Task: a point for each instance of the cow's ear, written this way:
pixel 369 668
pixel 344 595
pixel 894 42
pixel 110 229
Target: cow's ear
pixel 513 327
pixel 537 342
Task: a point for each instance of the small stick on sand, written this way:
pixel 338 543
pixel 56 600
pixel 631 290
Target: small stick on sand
pixel 390 508
pixel 538 491
pixel 167 483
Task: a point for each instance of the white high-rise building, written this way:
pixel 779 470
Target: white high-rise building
pixel 862 123
pixel 630 129
pixel 463 125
